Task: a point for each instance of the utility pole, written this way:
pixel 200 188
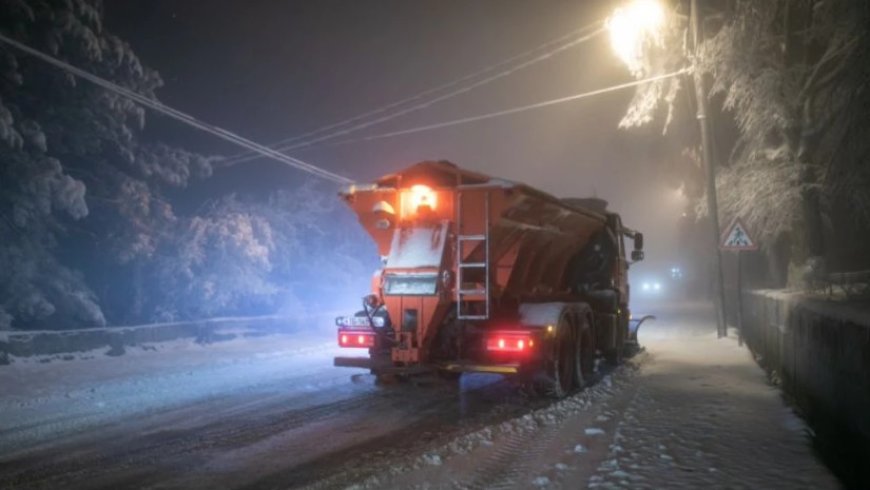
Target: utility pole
pixel 707 156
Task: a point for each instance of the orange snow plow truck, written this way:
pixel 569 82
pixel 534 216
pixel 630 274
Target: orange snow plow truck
pixel 485 275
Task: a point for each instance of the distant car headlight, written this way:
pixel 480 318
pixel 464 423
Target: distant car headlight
pixel 657 286
pixel 646 286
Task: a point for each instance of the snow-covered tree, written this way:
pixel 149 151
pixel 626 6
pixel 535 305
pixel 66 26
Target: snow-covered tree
pixel 326 259
pixel 793 75
pixel 219 262
pixel 293 251
pixel 80 197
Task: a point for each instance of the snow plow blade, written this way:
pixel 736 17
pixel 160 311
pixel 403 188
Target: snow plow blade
pixel 634 325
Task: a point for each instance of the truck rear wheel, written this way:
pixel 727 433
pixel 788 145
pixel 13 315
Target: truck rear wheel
pixel 558 379
pixel 584 364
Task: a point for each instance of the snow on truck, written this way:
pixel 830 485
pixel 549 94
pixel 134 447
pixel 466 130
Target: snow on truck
pixel 485 275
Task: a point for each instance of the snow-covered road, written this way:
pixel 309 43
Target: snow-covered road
pixel 258 413
pixel 691 411
pixel 272 412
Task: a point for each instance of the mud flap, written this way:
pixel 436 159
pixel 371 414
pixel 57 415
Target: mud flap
pixel 354 362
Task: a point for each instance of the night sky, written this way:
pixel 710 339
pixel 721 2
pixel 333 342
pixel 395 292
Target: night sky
pixel 271 69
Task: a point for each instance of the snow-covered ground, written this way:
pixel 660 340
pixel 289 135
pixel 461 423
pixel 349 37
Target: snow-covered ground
pixel 267 411
pixel 691 411
pixel 271 412
pixel 56 395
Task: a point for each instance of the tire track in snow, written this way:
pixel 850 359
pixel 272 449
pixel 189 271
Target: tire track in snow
pixel 366 465
pixel 99 408
pixel 65 465
pixel 503 452
pixel 511 461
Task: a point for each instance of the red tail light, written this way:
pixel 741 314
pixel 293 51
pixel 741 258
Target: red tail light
pixel 356 339
pixel 509 342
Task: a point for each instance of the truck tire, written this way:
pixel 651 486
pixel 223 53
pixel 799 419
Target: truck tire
pixel 584 365
pixel 577 365
pixel 558 379
pixel 614 356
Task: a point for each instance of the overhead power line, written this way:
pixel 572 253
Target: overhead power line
pixel 568 36
pixel 176 114
pixel 287 145
pixel 246 156
pixel 514 110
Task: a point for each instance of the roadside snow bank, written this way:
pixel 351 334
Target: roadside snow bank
pixel 551 416
pixel 70 344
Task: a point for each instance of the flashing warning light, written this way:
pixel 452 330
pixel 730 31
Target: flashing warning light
pixel 355 339
pixel 422 195
pixel 417 197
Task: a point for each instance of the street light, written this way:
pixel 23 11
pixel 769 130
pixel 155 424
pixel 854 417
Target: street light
pixel 632 28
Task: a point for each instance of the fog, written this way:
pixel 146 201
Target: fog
pixel 272 71
pixel 145 219
pixel 180 304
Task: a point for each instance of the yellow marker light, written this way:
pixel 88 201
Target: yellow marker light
pixel 549 329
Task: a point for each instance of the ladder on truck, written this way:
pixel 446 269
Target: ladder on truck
pixel 467 296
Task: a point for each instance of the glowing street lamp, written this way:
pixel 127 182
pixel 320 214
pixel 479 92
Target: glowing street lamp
pixel 631 27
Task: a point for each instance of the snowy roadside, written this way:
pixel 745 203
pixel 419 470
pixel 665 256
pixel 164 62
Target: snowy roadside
pixel 691 411
pixel 496 455
pixel 31 378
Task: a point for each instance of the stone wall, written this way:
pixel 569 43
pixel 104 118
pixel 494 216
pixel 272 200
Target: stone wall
pixel 820 353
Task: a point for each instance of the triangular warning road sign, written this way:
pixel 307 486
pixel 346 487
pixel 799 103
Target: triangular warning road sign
pixel 736 237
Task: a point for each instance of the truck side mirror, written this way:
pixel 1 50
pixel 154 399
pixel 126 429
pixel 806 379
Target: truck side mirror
pixel 638 243
pixel 636 255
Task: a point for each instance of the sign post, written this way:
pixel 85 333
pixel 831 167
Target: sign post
pixel 737 239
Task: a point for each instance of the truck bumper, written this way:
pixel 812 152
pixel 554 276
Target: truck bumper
pixel 462 367
pixel 383 366
pixel 354 362
pixel 456 367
